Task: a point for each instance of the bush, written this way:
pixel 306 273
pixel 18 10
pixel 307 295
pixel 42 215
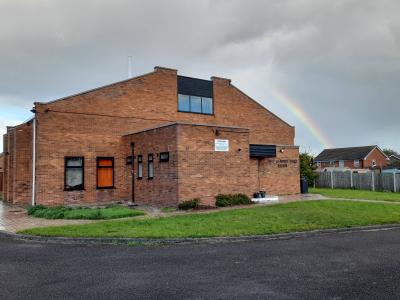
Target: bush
pixel 34 208
pixel 189 204
pixel 307 168
pixel 62 212
pixel 57 212
pixel 232 199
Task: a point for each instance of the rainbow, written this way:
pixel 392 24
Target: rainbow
pixel 302 116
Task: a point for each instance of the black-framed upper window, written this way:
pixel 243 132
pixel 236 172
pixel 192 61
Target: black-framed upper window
pixel 140 166
pixel 150 166
pixel 164 156
pixel 105 172
pixel 74 173
pixel 195 104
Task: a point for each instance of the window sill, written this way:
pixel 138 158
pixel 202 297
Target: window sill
pixel 150 178
pixel 196 113
pixel 105 188
pixel 74 190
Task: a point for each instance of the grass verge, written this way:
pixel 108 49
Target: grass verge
pixel 62 212
pixel 167 209
pixel 290 217
pixel 356 194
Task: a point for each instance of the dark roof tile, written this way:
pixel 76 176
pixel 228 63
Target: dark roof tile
pixel 351 153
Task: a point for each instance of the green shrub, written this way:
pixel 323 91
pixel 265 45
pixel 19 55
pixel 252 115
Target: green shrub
pixel 57 212
pixel 34 208
pixel 223 200
pixel 189 204
pixel 62 212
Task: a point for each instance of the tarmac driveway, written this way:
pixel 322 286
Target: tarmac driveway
pixel 355 265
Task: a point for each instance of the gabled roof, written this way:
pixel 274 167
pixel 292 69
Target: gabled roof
pixel 351 153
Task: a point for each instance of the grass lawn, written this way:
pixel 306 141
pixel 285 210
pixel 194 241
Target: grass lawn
pixel 296 216
pixel 61 212
pixel 356 194
pixel 167 209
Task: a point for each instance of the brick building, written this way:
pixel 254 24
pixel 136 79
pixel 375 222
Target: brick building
pixel 1 171
pixel 189 138
pixel 365 157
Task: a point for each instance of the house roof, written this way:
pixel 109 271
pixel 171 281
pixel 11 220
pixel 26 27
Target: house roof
pixel 350 153
pixel 394 157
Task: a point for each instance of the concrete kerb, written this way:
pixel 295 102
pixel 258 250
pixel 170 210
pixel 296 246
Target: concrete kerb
pixel 209 240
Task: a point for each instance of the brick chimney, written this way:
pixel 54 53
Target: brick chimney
pixel 221 80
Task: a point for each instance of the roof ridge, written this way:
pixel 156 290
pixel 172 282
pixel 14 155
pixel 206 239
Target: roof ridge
pixel 350 147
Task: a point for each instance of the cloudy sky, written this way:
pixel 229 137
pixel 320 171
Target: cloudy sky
pixel 330 68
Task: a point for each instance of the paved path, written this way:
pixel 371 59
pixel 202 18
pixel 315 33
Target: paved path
pixel 357 265
pixel 14 218
pixel 362 200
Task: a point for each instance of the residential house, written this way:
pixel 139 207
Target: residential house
pixel 394 160
pixel 365 157
pixel 157 139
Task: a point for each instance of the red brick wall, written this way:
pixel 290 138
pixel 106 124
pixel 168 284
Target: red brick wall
pixel 279 175
pixel 18 164
pixel 195 170
pixel 162 190
pixel 5 166
pixel 1 171
pixel 107 113
pixel 379 158
pixel 347 164
pixel 205 173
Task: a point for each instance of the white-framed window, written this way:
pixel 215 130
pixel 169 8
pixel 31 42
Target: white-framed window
pixel 331 163
pixel 374 163
pixel 318 164
pixel 341 163
pixel 356 163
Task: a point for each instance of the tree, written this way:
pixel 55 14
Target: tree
pixel 307 168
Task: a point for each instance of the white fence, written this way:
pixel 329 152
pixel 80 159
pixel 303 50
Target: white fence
pixel 388 182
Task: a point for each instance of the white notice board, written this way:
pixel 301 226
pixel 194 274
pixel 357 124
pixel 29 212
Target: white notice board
pixel 221 145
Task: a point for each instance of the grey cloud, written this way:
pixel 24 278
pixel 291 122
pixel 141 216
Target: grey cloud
pixel 340 60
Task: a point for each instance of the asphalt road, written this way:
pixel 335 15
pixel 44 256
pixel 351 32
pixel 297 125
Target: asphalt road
pixel 363 265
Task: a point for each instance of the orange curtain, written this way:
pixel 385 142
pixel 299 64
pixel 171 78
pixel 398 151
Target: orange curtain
pixel 105 162
pixel 105 173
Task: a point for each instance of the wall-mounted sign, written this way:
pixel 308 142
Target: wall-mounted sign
pixel 284 163
pixel 221 145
